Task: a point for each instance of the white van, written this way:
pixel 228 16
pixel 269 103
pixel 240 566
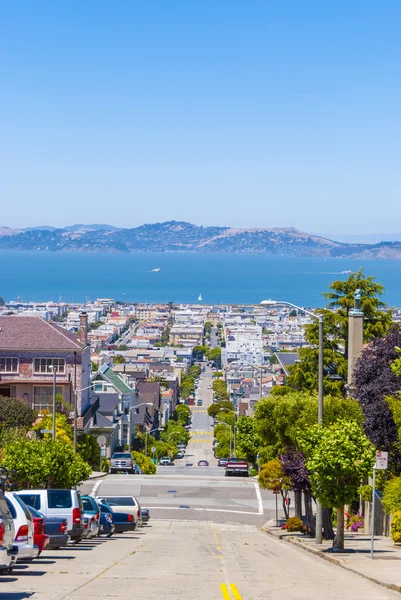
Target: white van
pixel 58 503
pixel 23 524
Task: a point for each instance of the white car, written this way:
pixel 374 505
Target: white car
pixel 125 504
pixel 23 527
pixel 8 551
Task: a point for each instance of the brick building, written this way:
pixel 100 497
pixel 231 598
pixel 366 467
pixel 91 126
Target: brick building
pixel 31 349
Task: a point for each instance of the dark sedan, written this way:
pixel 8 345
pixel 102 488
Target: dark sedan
pixel 55 527
pixel 121 521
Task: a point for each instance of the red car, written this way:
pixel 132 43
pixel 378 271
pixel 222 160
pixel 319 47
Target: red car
pixel 40 538
pixel 203 463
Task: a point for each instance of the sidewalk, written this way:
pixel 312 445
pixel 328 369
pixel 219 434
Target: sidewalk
pixel 384 569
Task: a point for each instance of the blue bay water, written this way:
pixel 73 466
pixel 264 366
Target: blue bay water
pixel 220 278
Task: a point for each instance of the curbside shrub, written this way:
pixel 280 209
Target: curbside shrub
pixel 295 524
pixel 396 527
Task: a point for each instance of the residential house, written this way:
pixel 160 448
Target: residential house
pixel 34 353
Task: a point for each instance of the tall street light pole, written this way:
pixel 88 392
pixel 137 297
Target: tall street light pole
pixel 319 515
pixel 146 438
pixel 54 403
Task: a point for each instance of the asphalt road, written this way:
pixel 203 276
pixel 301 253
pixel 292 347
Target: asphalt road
pixel 203 543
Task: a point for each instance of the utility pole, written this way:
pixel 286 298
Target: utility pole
pixel 54 403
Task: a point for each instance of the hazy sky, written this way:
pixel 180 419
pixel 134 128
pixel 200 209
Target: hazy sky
pixel 244 113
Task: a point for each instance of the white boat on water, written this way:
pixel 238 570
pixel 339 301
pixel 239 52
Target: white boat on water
pixel 346 272
pixel 156 270
pixel 200 298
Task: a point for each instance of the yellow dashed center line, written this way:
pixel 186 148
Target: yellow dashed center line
pixel 235 592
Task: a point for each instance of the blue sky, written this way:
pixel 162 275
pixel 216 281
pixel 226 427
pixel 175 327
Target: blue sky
pixel 226 112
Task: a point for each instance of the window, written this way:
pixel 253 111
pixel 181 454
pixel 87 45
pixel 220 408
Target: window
pixel 43 397
pixel 45 365
pixel 120 500
pixel 59 499
pixel 8 365
pixel 31 500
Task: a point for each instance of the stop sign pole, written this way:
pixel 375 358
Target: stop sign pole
pixel 381 463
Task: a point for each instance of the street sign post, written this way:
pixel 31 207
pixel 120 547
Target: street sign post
pixel 153 449
pixel 381 464
pixel 101 440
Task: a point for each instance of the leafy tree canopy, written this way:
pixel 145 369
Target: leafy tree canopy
pixel 214 408
pixel 45 464
pixel 338 457
pixel 15 413
pixel 247 442
pixel 118 359
pixel 144 462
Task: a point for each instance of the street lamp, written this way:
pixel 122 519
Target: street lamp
pixel 235 417
pixel 54 403
pixel 146 437
pixel 130 421
pixel 229 426
pixel 319 516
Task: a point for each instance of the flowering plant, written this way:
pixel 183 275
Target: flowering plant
pixel 355 522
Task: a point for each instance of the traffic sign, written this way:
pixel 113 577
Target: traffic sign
pixel 153 449
pixel 381 460
pixel 101 440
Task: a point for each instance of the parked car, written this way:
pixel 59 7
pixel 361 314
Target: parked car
pixel 199 402
pixel 222 462
pixel 107 527
pixel 23 523
pixel 40 536
pixel 8 550
pixel 237 466
pixel 91 510
pixel 125 504
pixel 122 521
pixel 55 527
pixel 203 463
pixel 145 515
pixel 165 461
pixel 58 503
pixel 122 461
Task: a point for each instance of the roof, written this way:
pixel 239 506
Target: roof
pixel 148 391
pixel 34 333
pixel 114 379
pixel 287 359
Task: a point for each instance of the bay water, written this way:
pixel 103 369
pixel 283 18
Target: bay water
pixel 218 278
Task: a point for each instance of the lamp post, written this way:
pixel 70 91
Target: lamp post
pixel 130 421
pixel 235 417
pixel 319 516
pixel 54 403
pixel 146 438
pixel 76 392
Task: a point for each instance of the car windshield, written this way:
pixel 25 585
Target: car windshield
pixel 120 500
pixel 121 455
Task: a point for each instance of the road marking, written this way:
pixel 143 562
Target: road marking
pixel 95 488
pixel 235 592
pixel 237 512
pixel 224 591
pixel 259 498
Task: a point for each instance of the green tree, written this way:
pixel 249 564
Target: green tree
pixel 218 374
pixel 392 495
pixel 273 360
pixel 183 412
pixel 161 380
pixel 88 449
pixel 214 408
pixel 118 359
pixel 341 297
pixel 247 441
pixel 224 444
pixel 220 390
pixel 278 419
pixel 199 352
pixel 45 464
pixel 144 462
pixel 195 371
pixel 208 327
pixel 338 457
pixel 214 355
pixel 64 431
pixel 15 413
pixel 272 477
pixel 94 367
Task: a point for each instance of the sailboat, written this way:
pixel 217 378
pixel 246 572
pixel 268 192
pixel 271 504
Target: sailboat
pixel 200 298
pixel 156 270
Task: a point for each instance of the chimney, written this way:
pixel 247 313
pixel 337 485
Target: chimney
pixel 83 326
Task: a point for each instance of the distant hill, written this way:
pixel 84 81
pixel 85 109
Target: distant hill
pixel 179 236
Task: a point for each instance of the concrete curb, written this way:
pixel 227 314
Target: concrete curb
pixel 336 561
pixel 97 476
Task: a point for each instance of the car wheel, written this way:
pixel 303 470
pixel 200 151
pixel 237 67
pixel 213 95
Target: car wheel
pixel 105 535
